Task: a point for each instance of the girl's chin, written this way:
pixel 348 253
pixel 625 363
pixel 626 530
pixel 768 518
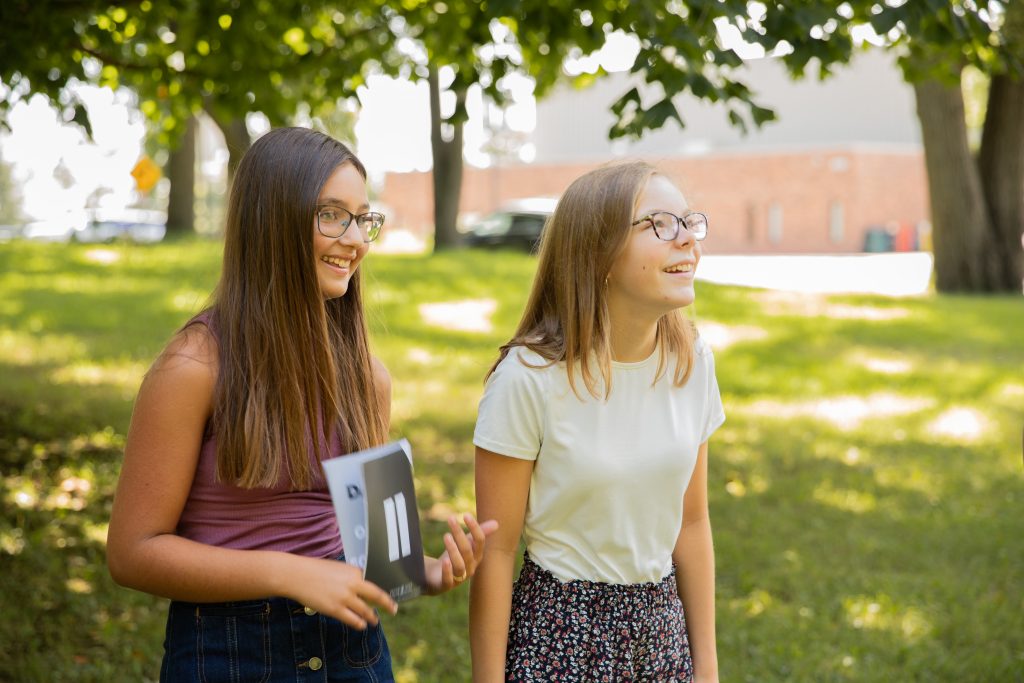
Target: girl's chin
pixel 334 290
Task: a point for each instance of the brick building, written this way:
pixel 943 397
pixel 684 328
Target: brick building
pixel 843 158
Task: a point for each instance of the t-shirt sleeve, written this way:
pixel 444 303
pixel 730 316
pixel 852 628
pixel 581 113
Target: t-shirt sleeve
pixel 510 420
pixel 714 412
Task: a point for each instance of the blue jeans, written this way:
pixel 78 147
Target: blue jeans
pixel 275 639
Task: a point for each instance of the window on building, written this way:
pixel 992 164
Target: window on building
pixel 775 223
pixel 835 221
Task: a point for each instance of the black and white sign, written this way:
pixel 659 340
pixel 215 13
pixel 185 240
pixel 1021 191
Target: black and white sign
pixel 375 502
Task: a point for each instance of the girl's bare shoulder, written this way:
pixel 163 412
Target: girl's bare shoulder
pixel 192 354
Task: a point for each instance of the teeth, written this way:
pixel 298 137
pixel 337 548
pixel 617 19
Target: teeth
pixel 335 261
pixel 681 268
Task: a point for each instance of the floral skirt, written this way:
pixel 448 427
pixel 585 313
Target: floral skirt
pixel 589 631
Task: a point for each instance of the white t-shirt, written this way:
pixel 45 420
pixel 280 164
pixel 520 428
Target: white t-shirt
pixel 606 495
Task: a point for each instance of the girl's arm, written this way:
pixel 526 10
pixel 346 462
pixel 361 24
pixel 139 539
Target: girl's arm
pixel 694 557
pixel 502 491
pixel 161 453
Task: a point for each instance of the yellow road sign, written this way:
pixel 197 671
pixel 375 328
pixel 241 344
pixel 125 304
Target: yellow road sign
pixel 146 174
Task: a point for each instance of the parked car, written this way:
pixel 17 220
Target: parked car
pixel 57 228
pixel 517 224
pixel 99 225
pixel 133 225
pixel 10 232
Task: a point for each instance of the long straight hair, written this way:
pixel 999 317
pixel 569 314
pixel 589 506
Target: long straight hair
pixel 294 369
pixel 566 317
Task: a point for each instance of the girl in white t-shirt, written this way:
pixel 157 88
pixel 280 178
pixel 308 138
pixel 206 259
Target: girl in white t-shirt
pixel 592 445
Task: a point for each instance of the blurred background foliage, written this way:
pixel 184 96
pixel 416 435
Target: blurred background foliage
pixel 230 58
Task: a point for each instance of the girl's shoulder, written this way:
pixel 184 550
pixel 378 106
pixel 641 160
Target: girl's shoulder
pixel 522 370
pixel 701 347
pixel 193 352
pixel 522 359
pixel 380 371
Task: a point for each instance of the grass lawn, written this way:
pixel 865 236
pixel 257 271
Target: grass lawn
pixel 866 488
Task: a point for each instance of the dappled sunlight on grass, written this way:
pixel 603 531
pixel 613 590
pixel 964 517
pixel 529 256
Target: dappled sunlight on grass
pixel 738 485
pixel 471 315
pixel 73 283
pixel 76 585
pixel 421 356
pixel 873 313
pixel 102 256
pixel 21 348
pixel 959 424
pixel 882 613
pixel 909 476
pixel 188 301
pixel 820 305
pixel 849 500
pixel 12 541
pixel 753 604
pixel 124 376
pixel 844 412
pixel 68 492
pixel 96 532
pixel 883 365
pixel 721 337
pixel 408 661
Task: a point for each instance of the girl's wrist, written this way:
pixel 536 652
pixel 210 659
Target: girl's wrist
pixel 276 571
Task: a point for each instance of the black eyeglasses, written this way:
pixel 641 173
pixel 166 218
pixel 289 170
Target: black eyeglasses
pixel 666 225
pixel 333 221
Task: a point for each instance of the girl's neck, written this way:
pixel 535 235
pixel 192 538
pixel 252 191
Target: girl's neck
pixel 632 341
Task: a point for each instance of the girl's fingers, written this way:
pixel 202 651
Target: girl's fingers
pixel 351 619
pixel 447 573
pixel 366 612
pixel 478 535
pixel 378 596
pixel 456 558
pixel 462 542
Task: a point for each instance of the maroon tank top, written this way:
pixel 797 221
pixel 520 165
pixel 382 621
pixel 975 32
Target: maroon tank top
pixel 274 518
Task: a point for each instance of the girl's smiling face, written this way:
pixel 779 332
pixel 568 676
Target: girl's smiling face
pixel 338 257
pixel 653 276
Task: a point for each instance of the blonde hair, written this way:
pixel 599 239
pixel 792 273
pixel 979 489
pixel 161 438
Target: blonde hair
pixel 566 317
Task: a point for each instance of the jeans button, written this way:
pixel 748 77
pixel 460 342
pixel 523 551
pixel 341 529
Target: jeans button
pixel 315 663
pixel 309 611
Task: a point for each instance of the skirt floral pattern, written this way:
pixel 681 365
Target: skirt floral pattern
pixel 589 631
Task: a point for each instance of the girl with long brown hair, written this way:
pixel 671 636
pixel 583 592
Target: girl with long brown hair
pixel 592 444
pixel 222 505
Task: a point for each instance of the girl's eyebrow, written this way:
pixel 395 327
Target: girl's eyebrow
pixel 651 212
pixel 332 201
pixel 686 212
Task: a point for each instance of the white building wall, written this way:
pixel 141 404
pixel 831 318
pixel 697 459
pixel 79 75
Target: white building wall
pixel 864 103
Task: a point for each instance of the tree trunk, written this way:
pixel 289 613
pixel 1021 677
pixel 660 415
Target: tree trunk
pixel 447 157
pixel 236 139
pixel 961 228
pixel 1001 160
pixel 181 171
pixel 1001 163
